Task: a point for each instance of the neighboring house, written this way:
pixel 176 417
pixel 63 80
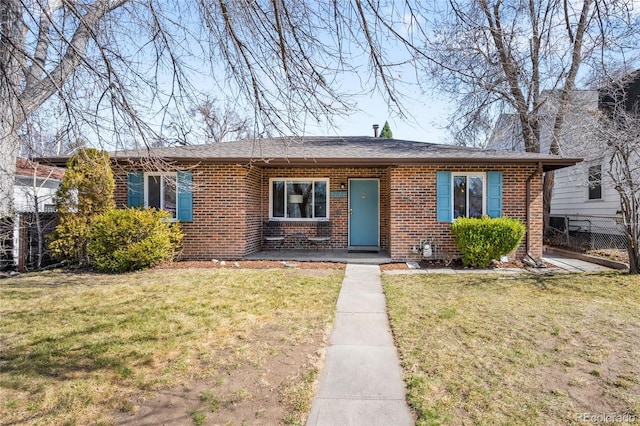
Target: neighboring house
pixel 377 195
pixel 586 188
pixel 584 199
pixel 35 182
pixel 583 189
pixel 34 187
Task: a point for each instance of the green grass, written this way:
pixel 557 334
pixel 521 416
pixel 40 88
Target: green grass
pixel 199 418
pixel 525 349
pixel 77 347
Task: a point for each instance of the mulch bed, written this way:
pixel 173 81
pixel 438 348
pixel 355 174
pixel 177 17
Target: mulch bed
pixel 454 264
pixel 253 264
pixel 275 264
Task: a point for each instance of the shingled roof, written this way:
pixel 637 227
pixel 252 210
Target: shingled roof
pixel 338 151
pixel 28 168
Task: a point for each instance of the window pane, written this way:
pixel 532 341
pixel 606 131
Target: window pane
pixel 277 198
pixel 169 201
pixel 153 191
pixel 475 196
pixel 459 196
pixel 595 182
pixel 320 195
pixel 299 199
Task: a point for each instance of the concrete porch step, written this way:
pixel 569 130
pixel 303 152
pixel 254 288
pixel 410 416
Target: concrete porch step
pixel 363 249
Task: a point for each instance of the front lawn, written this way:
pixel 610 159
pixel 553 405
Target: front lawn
pixel 195 344
pixel 523 349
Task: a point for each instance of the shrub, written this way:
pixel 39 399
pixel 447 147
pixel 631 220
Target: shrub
pixel 86 190
pixel 482 240
pixel 68 242
pixel 123 240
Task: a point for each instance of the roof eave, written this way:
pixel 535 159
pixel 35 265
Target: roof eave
pixel 548 164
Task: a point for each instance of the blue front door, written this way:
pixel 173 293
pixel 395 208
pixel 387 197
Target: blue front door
pixel 364 212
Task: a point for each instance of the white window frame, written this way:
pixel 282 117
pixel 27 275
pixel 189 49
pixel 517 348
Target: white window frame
pixel 146 190
pixel 313 192
pixel 484 192
pixel 588 183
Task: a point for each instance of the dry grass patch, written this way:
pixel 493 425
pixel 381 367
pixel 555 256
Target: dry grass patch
pixel 522 349
pixel 79 348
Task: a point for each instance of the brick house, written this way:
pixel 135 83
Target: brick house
pixel 377 194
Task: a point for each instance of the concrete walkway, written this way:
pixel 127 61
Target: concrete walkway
pixel 568 264
pixel 361 381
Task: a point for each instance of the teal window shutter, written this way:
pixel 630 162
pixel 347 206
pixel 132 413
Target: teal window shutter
pixel 443 196
pixel 494 194
pixel 135 194
pixel 185 197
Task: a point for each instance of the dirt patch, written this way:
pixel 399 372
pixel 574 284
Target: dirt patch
pixel 450 264
pixel 272 391
pixel 393 266
pixel 254 264
pixel 595 380
pixel 613 254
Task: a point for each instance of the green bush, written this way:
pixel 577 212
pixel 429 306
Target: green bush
pixel 86 190
pixel 122 240
pixel 482 240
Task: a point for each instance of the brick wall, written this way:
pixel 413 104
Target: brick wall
pixel 413 201
pixel 221 203
pixel 231 202
pixel 338 207
pixel 255 201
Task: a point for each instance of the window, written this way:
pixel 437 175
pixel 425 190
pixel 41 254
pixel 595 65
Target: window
pixel 160 192
pixel 595 183
pixel 468 195
pixel 298 199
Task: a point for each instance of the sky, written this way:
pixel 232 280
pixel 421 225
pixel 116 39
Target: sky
pixel 425 114
pixel 427 122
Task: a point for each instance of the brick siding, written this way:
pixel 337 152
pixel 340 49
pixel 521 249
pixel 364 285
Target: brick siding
pixel 413 201
pixel 231 203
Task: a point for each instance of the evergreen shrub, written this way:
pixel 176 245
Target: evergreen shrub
pixel 481 240
pixel 124 240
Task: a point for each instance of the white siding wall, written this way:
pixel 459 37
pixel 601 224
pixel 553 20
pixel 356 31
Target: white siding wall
pixel 24 190
pixel 570 192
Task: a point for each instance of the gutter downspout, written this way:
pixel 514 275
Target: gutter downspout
pixel 529 258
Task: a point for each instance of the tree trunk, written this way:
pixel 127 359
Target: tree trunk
pixel 634 257
pixel 563 104
pixel 11 116
pixel 9 148
pixel 24 88
pixel 633 240
pixel 631 215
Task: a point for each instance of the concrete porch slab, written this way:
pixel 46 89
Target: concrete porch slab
pixel 338 256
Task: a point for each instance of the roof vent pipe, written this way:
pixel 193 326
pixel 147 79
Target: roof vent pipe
pixel 375 130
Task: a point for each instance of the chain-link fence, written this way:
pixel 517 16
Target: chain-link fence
pixel 6 243
pixel 583 232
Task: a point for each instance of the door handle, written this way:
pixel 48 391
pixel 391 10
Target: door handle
pixel 351 212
